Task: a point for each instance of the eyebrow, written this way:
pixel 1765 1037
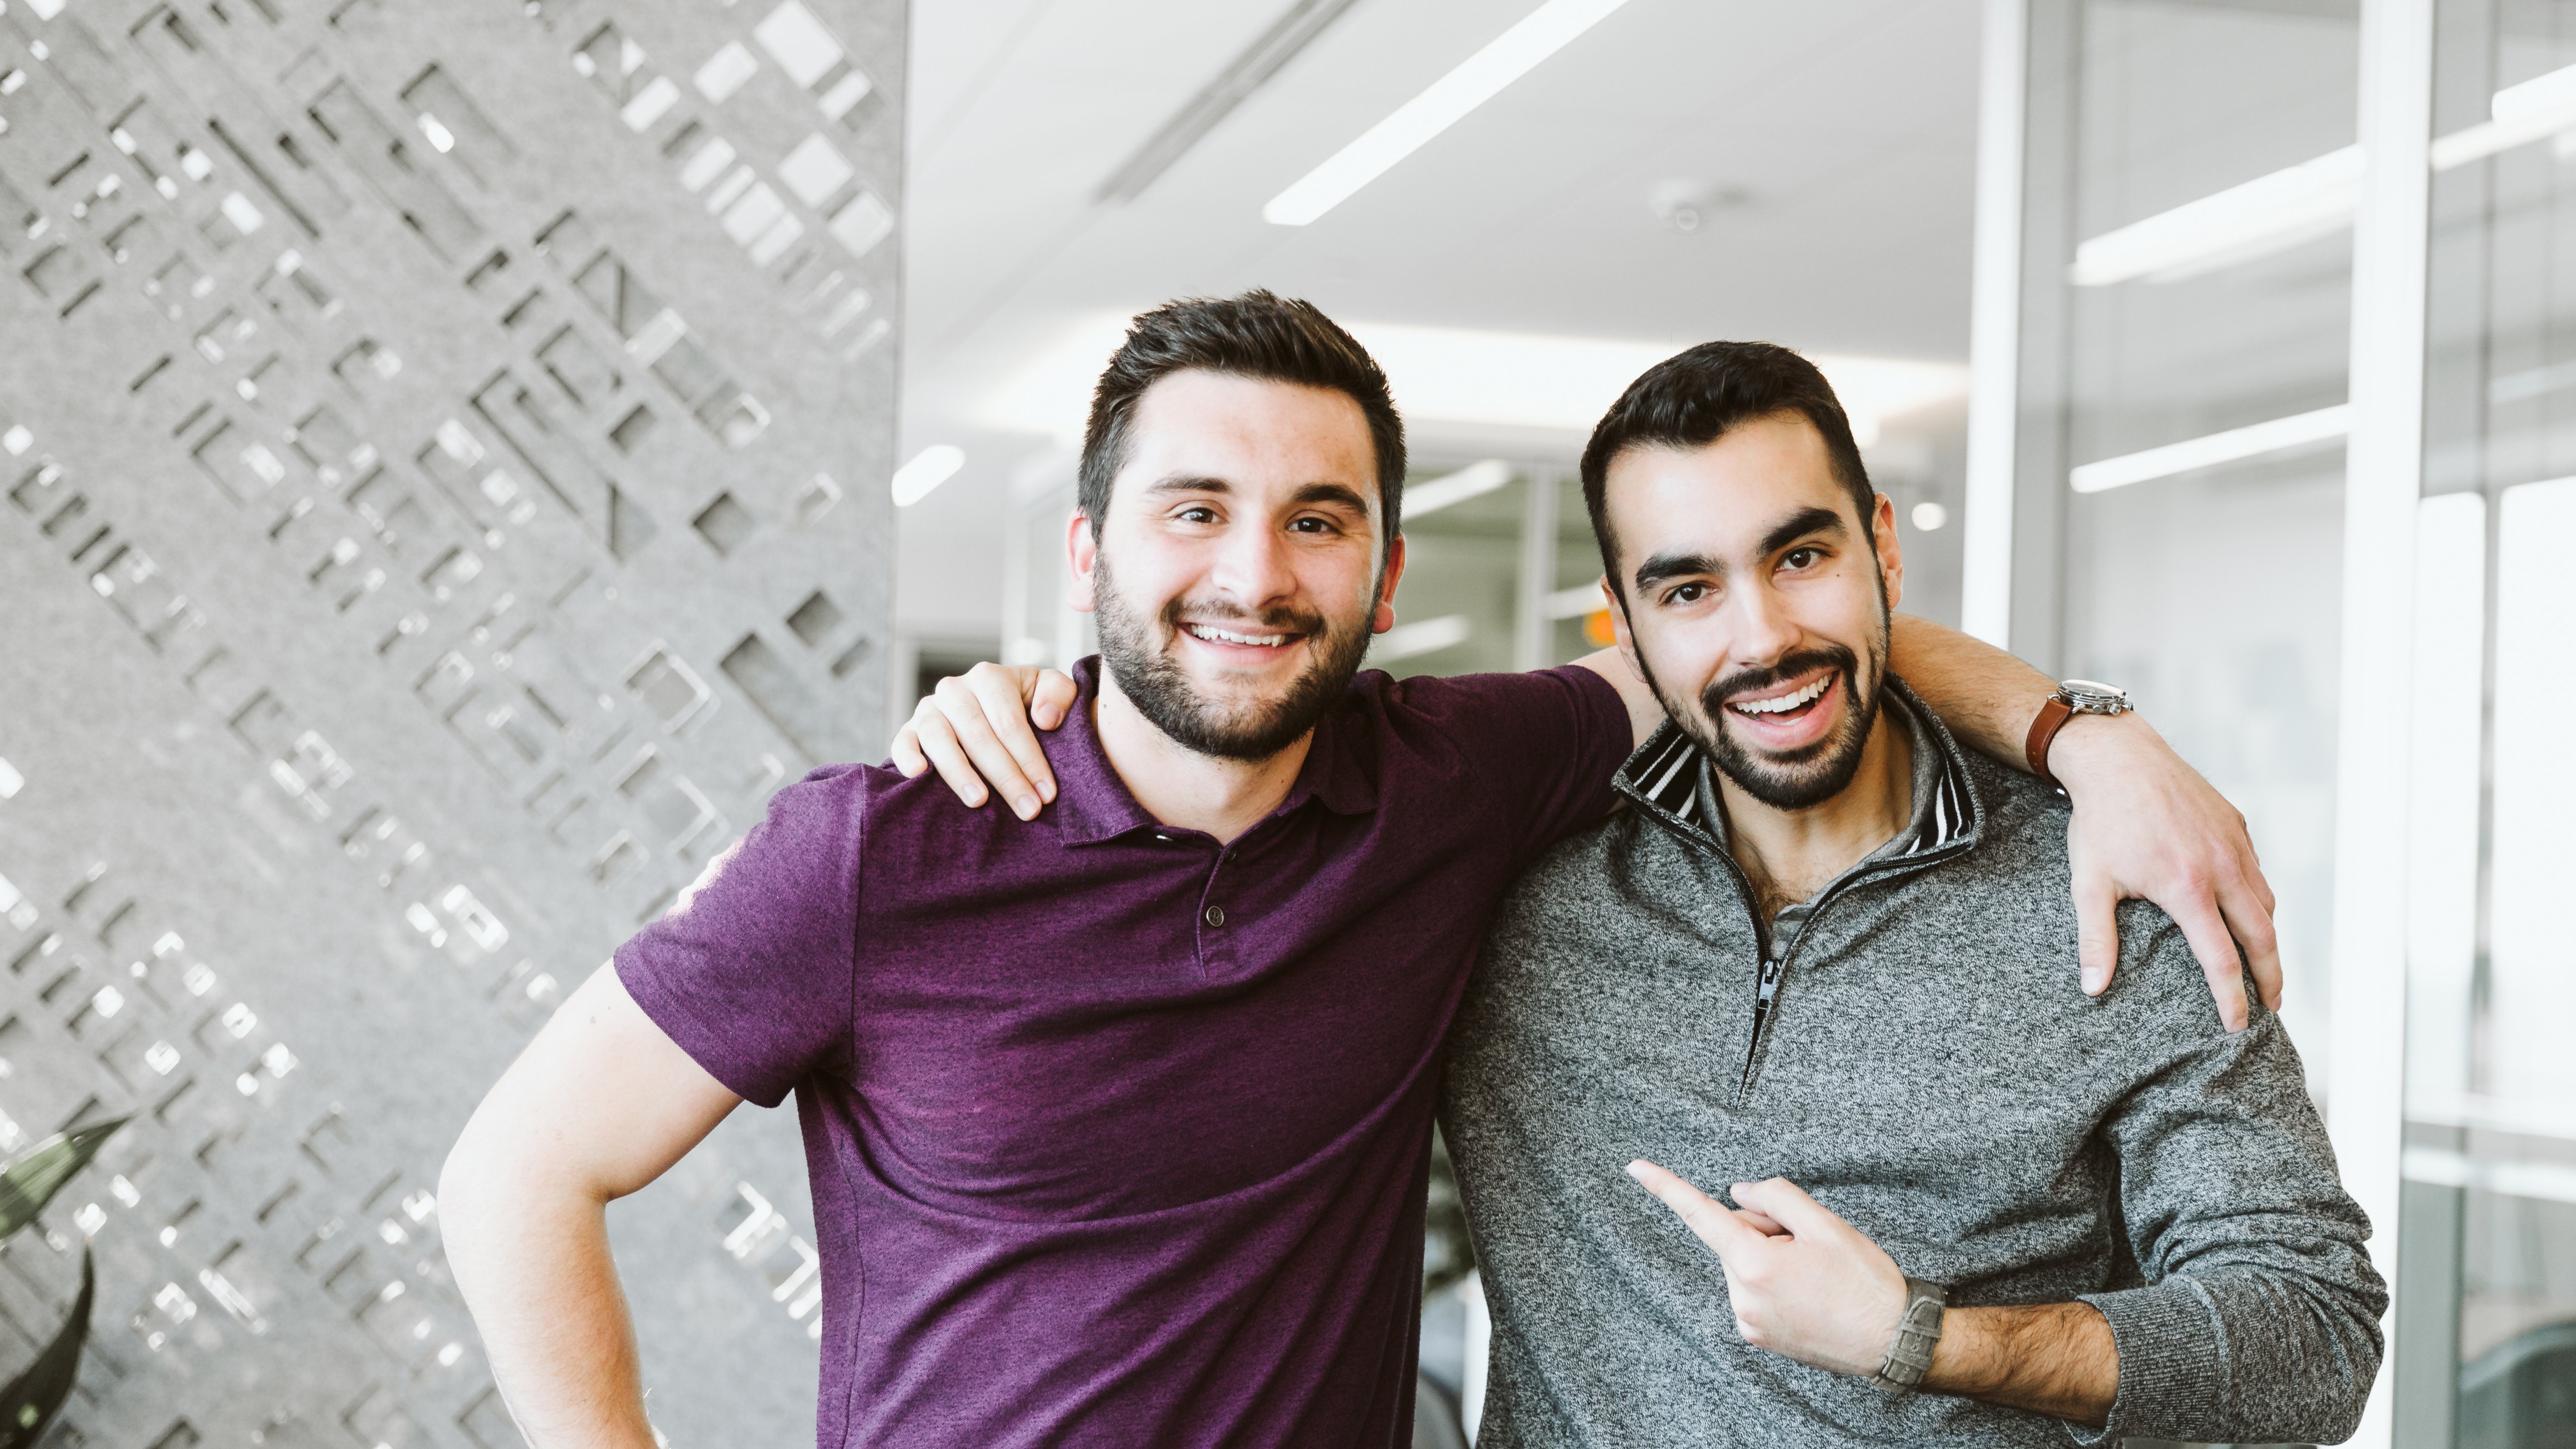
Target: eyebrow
pixel 1188 483
pixel 1802 523
pixel 1318 492
pixel 1341 493
pixel 1798 525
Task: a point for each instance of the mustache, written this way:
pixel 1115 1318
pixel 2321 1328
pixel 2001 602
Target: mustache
pixel 1218 611
pixel 1744 681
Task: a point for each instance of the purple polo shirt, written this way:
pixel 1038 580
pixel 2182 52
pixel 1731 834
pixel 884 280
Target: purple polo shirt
pixel 1118 1135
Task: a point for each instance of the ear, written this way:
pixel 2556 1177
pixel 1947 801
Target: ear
pixel 1891 558
pixel 1082 555
pixel 1619 631
pixel 1382 618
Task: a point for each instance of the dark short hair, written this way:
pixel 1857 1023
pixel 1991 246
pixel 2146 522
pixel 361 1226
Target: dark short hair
pixel 1691 399
pixel 1256 335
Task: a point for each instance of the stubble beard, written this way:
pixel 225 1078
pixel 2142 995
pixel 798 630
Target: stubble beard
pixel 1140 659
pixel 1801 778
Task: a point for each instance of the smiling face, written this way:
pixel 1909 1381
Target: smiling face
pixel 1237 577
pixel 1756 602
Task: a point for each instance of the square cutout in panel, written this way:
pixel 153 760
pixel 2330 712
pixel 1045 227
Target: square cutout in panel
pixel 816 619
pixel 633 429
pixel 724 524
pixel 814 170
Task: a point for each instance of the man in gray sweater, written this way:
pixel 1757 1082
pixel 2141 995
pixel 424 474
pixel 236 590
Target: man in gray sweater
pixel 1819 965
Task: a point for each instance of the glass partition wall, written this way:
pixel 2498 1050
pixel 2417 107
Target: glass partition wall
pixel 2190 369
pixel 2189 175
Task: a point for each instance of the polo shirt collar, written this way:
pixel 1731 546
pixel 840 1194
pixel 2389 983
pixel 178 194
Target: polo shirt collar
pixel 1092 804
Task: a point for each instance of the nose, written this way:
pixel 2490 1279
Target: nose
pixel 1764 632
pixel 1252 567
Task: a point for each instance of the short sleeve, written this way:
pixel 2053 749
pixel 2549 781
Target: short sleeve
pixel 1546 743
pixel 751 971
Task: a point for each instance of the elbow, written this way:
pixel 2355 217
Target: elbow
pixel 2341 1397
pixel 465 1186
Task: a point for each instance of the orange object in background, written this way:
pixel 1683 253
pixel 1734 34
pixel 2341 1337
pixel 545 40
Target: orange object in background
pixel 1596 629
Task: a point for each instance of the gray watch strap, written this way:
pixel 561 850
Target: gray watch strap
pixel 1918 1332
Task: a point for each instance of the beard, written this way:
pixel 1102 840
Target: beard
pixel 1811 774
pixel 1137 651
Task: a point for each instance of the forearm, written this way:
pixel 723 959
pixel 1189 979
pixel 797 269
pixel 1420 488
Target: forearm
pixel 2056 1359
pixel 1645 712
pixel 1986 696
pixel 534 1266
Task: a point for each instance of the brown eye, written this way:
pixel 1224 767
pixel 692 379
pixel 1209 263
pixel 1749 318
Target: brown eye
pixel 1799 558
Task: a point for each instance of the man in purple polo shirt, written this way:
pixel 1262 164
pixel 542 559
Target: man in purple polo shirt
pixel 1118 1119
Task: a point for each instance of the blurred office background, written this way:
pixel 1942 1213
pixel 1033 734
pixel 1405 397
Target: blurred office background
pixel 461 459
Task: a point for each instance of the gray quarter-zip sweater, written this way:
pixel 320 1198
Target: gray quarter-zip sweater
pixel 1914 1051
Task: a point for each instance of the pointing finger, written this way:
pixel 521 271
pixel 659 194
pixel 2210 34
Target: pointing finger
pixel 1706 1217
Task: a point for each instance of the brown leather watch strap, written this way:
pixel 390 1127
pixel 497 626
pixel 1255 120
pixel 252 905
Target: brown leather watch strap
pixel 2053 716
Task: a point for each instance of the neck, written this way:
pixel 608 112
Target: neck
pixel 1793 854
pixel 1180 786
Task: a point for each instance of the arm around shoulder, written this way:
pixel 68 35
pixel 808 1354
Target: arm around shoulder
pixel 599 1104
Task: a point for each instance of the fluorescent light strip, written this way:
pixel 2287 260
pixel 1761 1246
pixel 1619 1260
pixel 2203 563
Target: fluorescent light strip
pixel 2265 214
pixel 1473 481
pixel 2543 1181
pixel 1405 641
pixel 1248 72
pixel 2299 203
pixel 1508 57
pixel 2234 445
pixel 1576 602
pixel 928 469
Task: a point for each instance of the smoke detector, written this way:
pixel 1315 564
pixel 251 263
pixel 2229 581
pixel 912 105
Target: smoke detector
pixel 1685 205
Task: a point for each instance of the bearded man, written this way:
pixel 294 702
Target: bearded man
pixel 1118 1119
pixel 1821 959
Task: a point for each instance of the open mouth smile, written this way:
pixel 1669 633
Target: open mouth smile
pixel 1239 638
pixel 1790 703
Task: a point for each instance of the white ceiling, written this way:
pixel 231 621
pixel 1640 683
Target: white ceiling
pixel 1848 125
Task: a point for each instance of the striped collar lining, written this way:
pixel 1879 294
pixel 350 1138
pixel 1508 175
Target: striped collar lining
pixel 1674 775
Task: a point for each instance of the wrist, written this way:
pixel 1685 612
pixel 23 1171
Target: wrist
pixel 1967 1362
pixel 2088 745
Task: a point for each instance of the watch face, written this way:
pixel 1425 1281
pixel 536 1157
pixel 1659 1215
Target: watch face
pixel 2086 691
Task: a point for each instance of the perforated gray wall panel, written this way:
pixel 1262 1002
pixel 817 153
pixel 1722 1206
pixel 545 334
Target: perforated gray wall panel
pixel 443 447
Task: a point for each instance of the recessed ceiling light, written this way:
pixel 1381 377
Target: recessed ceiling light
pixel 1478 78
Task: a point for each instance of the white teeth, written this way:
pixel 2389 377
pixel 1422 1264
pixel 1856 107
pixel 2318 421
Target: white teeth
pixel 1225 636
pixel 1785 702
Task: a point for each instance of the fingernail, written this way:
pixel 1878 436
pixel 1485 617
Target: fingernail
pixel 1027 806
pixel 1637 1169
pixel 2093 981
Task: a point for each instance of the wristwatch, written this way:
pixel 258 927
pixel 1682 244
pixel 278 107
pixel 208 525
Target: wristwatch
pixel 2073 697
pixel 1918 1332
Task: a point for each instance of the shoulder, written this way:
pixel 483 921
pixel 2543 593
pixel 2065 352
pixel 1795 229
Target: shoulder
pixel 830 822
pixel 1606 885
pixel 1484 703
pixel 2022 851
pixel 1494 720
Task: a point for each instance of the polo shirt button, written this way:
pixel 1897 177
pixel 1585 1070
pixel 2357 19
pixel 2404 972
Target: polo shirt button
pixel 1216 915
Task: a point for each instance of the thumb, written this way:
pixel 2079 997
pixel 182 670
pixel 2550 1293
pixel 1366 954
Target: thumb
pixel 2097 928
pixel 1786 1203
pixel 1050 697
